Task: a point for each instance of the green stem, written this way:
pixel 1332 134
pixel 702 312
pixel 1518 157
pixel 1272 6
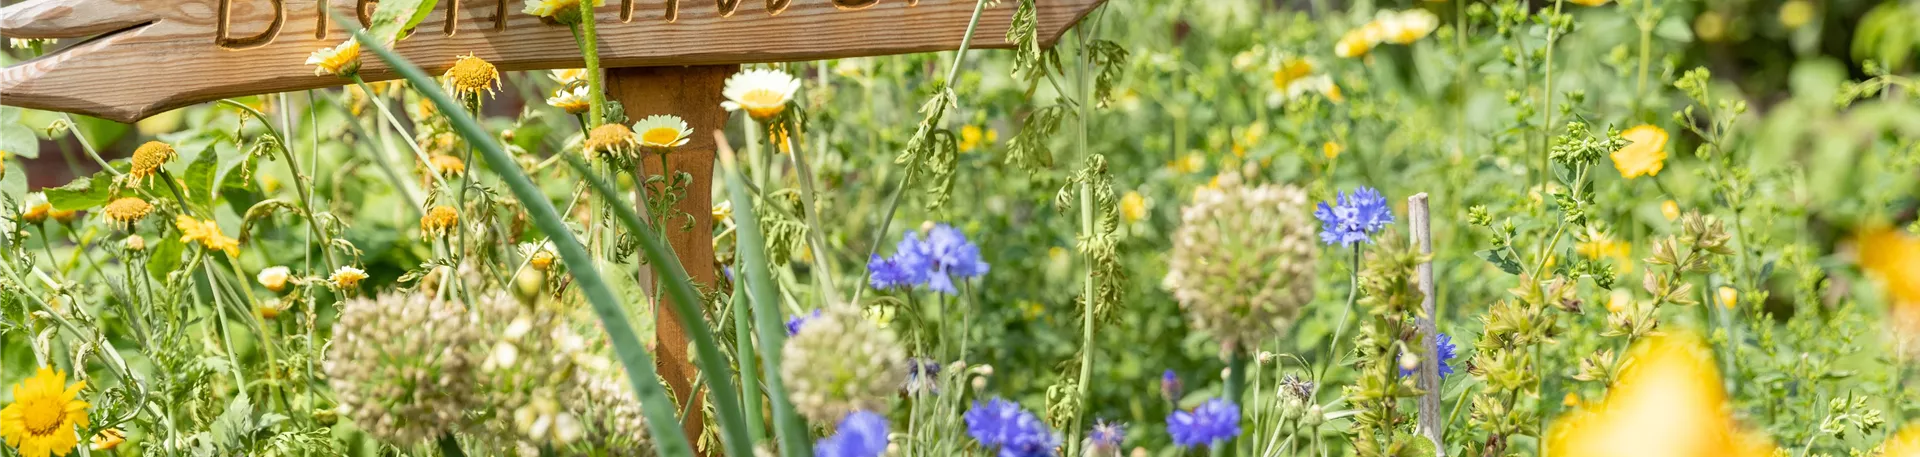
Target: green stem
pixel 749 376
pixel 809 204
pixel 655 404
pixel 788 430
pixel 449 446
pixel 1340 328
pixel 1236 383
pixel 590 48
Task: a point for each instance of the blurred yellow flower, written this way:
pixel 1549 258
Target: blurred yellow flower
pixel 107 439
pixel 1590 2
pixel 471 75
pixel 1796 13
pixel 1599 243
pixel 1644 154
pixel 45 416
pixel 448 165
pixel 346 277
pixel 1710 26
pixel 973 137
pixel 1729 297
pixel 1667 403
pixel 207 234
pixel 343 60
pixel 1133 207
pixel 1670 210
pixel 1188 164
pixel 1408 26
pixel 1903 444
pixel 1892 258
pixel 1352 45
pixel 440 221
pixel 1331 149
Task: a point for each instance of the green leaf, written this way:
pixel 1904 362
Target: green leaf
pixel 16 138
pixel 165 258
pixel 392 19
pixel 1498 258
pixel 202 176
pixel 231 429
pixel 82 193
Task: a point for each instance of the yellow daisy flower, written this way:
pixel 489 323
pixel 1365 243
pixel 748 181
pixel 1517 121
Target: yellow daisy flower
pixel 1408 26
pixel 1670 210
pixel 45 416
pixel 440 221
pixel 662 132
pixel 207 234
pixel 1332 149
pixel 1352 45
pixel 1893 259
pixel 609 140
pixel 1591 2
pixel 1729 297
pixel 274 278
pixel 147 161
pixel 1598 243
pixel 973 137
pixel 346 278
pixel 1644 154
pixel 572 101
pixel 762 93
pixel 127 211
pixel 1133 207
pixel 1904 444
pixel 107 439
pixel 1667 403
pixel 343 60
pixel 471 75
pixel 448 165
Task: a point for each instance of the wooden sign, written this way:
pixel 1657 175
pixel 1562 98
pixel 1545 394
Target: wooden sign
pixel 150 56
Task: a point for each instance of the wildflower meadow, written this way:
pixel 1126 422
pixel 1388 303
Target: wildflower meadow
pixel 937 228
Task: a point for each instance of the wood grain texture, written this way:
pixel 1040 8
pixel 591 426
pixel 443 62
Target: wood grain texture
pixel 693 93
pixel 151 56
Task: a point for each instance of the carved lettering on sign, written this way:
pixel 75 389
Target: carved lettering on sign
pixel 223 28
pixel 775 7
pixel 854 4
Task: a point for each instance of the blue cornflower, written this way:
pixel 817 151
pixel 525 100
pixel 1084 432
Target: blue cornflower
pixel 794 324
pixel 934 262
pixel 1443 345
pixel 1353 217
pixel 1013 432
pixel 951 255
pixel 1170 386
pixel 860 434
pixel 1215 421
pixel 1105 438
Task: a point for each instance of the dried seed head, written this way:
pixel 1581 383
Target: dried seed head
pixel 148 159
pixel 610 140
pixel 840 362
pixel 127 211
pixel 404 367
pixel 440 221
pixel 1243 259
pixel 471 75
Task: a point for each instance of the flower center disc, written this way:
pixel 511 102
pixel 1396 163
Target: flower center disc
pixel 660 136
pixel 43 415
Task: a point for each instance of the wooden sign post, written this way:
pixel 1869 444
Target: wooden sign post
pixel 150 56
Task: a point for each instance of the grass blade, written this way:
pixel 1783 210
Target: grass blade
pixel 655 405
pixel 751 247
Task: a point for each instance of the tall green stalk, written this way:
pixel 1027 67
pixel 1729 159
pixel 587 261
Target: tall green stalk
pixel 655 404
pixel 749 376
pixel 751 244
pixel 682 297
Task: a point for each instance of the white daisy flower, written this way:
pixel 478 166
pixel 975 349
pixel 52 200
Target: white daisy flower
pixel 662 131
pixel 567 76
pixel 274 278
pixel 343 60
pixel 1408 26
pixel 763 93
pixel 573 101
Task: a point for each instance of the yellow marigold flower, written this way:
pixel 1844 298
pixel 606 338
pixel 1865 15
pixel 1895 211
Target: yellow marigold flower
pixel 973 137
pixel 107 439
pixel 1644 154
pixel 274 278
pixel 37 208
pixel 1670 210
pixel 1133 207
pixel 539 255
pixel 64 216
pixel 1667 403
pixel 662 132
pixel 448 165
pixel 1292 69
pixel 1331 149
pixel 610 140
pixel 471 75
pixel 440 221
pixel 148 159
pixel 127 211
pixel 1590 2
pixel 1190 163
pixel 207 234
pixel 346 278
pixel 1408 26
pixel 46 415
pixel 1571 400
pixel 1729 297
pixel 762 93
pixel 572 101
pixel 343 60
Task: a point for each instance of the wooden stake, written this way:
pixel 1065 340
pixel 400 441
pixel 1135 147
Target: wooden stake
pixel 693 93
pixel 1429 425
